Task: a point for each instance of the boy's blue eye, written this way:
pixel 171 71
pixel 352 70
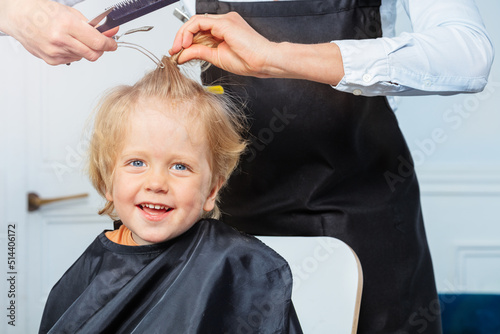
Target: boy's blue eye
pixel 179 167
pixel 137 163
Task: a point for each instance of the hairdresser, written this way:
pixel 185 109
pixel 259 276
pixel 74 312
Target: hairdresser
pixel 56 33
pixel 327 156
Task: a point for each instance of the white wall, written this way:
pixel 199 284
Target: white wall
pixel 459 173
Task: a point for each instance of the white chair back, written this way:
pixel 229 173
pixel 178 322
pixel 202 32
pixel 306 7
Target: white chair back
pixel 327 280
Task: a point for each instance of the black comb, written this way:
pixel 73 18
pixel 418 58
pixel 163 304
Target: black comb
pixel 128 10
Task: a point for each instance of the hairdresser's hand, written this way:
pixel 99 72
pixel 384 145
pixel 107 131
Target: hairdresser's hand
pixel 243 51
pixel 56 33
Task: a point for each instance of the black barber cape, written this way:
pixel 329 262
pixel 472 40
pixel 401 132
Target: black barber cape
pixel 211 279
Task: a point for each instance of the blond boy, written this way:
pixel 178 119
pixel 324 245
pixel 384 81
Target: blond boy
pixel 160 152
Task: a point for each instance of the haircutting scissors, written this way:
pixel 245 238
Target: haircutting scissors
pixel 96 20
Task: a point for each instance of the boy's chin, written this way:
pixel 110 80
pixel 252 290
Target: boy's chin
pixel 150 240
pixel 154 238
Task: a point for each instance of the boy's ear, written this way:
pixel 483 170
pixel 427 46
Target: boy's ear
pixel 108 195
pixel 210 202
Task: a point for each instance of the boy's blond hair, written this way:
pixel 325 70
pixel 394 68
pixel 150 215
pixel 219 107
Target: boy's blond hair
pixel 221 122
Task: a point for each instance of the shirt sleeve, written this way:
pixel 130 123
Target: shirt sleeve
pixel 68 2
pixel 449 51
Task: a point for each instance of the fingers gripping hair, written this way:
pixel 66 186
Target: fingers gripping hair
pixel 202 38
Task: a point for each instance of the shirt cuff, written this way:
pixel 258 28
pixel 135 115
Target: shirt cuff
pixel 366 68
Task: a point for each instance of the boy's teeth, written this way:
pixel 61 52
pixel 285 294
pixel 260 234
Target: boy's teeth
pixel 152 206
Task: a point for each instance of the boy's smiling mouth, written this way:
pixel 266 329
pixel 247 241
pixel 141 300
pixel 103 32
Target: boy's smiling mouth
pixel 154 209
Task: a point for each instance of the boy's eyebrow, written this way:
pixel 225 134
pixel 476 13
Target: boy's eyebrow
pixel 181 155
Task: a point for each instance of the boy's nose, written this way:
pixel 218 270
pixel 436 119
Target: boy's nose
pixel 156 181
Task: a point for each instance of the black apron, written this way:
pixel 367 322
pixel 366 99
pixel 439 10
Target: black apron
pixel 324 162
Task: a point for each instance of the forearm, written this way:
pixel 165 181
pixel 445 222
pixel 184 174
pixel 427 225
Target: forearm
pixel 56 33
pixel 315 62
pixel 6 10
pixel 243 51
pixel 10 10
pixel 17 16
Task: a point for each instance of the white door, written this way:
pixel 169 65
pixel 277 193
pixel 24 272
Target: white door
pixel 44 110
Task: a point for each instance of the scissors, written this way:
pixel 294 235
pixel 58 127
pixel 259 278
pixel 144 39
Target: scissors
pixel 96 20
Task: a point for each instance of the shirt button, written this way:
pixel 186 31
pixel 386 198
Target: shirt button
pixel 367 77
pixel 357 92
pixel 427 83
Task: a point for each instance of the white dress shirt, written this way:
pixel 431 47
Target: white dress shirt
pixel 449 51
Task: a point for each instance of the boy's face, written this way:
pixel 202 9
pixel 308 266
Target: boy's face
pixel 162 177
